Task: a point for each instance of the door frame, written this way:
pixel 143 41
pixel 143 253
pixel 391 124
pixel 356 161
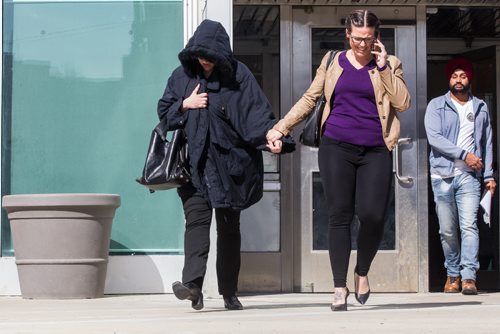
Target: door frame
pixel 291 172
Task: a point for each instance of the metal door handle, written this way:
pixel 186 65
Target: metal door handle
pixel 396 166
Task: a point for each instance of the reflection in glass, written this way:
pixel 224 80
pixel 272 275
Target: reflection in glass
pixel 260 225
pixel 80 88
pixel 256 41
pixel 257 44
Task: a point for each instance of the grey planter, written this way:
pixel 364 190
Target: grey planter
pixel 61 243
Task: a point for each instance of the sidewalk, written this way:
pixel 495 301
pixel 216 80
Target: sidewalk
pixel 278 313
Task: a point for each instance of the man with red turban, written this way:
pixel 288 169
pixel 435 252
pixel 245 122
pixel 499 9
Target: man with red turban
pixel 459 133
pixel 459 63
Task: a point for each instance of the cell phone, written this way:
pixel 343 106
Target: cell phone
pixel 373 47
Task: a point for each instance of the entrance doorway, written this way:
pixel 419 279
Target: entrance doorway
pixel 395 268
pixel 471 33
pixel 294 39
pixel 283 44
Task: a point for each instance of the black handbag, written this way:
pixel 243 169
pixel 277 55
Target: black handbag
pixel 311 133
pixel 167 164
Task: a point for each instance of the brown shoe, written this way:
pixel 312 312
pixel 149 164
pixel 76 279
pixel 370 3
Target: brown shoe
pixel 469 287
pixel 452 285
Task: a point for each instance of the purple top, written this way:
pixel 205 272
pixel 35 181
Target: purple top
pixel 354 117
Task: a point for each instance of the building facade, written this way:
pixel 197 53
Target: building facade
pixel 81 80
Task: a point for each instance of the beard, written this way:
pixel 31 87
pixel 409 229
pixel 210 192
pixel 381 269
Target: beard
pixel 460 89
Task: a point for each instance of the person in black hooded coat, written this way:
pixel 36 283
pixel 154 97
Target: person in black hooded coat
pixel 225 116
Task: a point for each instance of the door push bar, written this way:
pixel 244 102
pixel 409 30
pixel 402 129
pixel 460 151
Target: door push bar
pixel 396 163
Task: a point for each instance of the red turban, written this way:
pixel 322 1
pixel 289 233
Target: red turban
pixel 459 63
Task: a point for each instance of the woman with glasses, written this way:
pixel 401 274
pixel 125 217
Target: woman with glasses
pixel 364 90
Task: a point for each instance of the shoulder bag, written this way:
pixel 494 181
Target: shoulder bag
pixel 167 164
pixel 311 134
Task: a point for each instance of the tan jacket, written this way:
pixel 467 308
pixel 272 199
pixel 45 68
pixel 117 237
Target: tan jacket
pixel 391 96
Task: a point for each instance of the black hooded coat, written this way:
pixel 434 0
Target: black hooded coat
pixel 224 139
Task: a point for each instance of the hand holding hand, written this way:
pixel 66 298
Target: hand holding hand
pixel 473 162
pixel 491 186
pixel 195 100
pixel 273 140
pixel 380 53
pixel 273 135
pixel 276 146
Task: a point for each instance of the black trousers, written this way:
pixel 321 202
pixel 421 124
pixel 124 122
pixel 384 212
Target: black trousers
pixel 198 214
pixel 355 178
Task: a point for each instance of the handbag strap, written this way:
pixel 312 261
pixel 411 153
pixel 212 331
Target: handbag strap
pixel 330 58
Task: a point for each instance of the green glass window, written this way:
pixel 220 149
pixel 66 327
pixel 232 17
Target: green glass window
pixel 81 83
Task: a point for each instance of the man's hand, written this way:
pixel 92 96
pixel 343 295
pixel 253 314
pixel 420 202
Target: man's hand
pixel 195 100
pixel 473 162
pixel 491 186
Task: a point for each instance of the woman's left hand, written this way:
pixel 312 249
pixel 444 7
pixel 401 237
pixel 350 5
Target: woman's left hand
pixel 380 53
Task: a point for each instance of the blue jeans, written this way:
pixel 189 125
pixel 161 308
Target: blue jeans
pixel 457 202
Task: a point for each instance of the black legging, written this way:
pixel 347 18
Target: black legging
pixel 198 214
pixel 358 177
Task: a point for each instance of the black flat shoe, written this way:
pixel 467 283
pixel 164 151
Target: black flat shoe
pixel 189 291
pixel 360 297
pixel 232 303
pixel 339 296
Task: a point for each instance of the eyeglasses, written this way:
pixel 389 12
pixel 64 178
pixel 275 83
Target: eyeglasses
pixel 367 40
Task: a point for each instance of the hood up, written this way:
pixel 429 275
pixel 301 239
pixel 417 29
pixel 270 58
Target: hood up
pixel 209 41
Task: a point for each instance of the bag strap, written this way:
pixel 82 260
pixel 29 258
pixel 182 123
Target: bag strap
pixel 329 62
pixel 330 58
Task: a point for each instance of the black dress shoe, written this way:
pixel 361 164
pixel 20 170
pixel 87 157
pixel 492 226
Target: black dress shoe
pixel 232 303
pixel 360 297
pixel 189 291
pixel 339 296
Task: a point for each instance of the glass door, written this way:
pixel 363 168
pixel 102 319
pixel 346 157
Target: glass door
pixel 256 43
pixel 314 33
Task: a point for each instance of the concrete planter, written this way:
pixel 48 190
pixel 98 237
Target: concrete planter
pixel 61 243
